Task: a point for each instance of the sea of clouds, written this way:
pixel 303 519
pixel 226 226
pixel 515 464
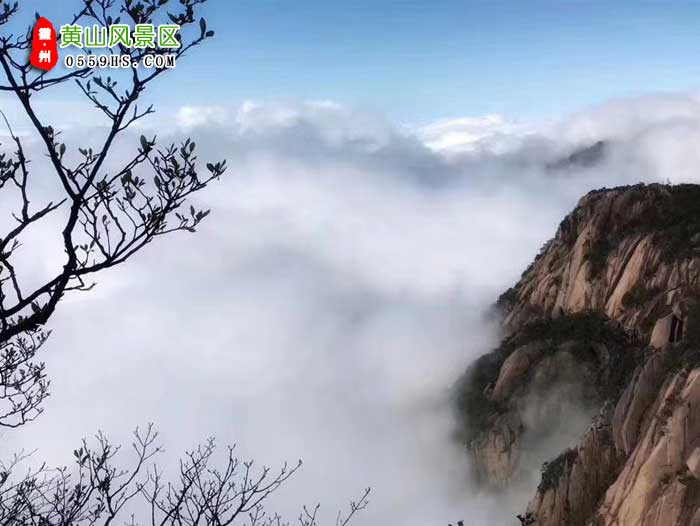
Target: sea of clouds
pixel 336 292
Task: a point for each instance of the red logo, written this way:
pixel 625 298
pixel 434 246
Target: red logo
pixel 44 48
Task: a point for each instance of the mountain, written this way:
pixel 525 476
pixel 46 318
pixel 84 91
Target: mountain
pixel 598 374
pixel 584 157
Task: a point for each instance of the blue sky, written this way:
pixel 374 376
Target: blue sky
pixel 421 60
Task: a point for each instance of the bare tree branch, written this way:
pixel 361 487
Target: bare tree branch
pixel 110 215
pixel 97 492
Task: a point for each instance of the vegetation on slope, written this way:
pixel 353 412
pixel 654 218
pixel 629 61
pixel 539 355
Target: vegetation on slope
pixel 670 212
pixel 554 469
pixel 474 406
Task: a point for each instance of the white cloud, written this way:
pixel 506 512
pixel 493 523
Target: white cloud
pixel 467 134
pixel 625 119
pixel 191 116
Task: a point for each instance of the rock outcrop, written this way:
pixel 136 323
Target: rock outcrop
pixel 602 340
pixel 631 253
pixel 637 464
pixel 541 387
pixel 656 486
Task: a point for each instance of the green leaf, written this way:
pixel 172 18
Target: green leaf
pixel 203 26
pixel 144 143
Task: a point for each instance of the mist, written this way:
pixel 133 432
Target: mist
pixel 336 293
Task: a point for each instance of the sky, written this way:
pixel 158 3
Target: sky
pixel 387 181
pixel 419 61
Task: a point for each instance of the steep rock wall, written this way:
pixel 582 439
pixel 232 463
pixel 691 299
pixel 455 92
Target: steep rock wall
pixel 628 259
pixel 631 253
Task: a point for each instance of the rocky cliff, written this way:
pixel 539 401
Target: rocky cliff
pixel 595 389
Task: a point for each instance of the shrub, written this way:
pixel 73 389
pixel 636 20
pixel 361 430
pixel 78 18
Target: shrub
pixel 639 295
pixel 692 327
pixel 598 255
pixel 554 469
pixel 507 300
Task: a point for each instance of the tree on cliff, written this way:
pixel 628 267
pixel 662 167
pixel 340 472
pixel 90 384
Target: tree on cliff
pixel 107 213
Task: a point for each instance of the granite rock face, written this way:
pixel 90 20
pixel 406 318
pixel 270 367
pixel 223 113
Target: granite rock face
pixel 637 465
pixel 631 253
pixel 602 341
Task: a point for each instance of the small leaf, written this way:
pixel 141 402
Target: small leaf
pixel 203 26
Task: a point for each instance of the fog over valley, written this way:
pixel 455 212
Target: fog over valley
pixel 339 289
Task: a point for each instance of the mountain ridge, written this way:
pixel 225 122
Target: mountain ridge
pixel 604 325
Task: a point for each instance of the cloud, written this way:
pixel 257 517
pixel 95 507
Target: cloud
pixel 191 116
pixel 493 133
pixel 625 119
pixel 335 294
